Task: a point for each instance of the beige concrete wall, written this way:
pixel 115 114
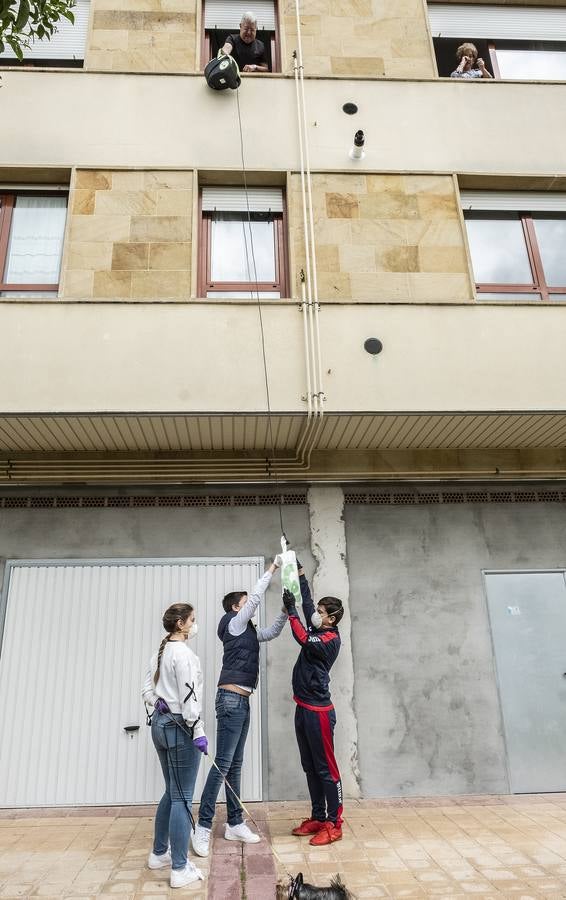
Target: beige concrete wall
pixel 142 36
pixel 129 236
pixel 206 357
pixel 384 237
pixel 148 121
pixel 374 38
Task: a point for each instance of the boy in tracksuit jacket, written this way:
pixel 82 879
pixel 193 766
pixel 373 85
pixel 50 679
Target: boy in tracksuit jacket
pixel 315 717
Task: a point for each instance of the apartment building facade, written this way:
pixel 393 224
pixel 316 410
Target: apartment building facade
pixel 216 322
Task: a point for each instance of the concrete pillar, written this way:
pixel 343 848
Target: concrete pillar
pixel 328 545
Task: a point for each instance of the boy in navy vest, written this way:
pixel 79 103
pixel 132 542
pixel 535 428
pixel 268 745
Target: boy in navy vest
pixel 238 678
pixel 315 718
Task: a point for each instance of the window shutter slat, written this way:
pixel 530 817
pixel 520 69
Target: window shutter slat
pixel 504 22
pixel 68 42
pixel 228 13
pixel 233 199
pixel 513 201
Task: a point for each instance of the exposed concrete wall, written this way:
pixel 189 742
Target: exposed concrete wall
pixel 184 532
pixel 328 540
pixel 428 711
pixel 415 691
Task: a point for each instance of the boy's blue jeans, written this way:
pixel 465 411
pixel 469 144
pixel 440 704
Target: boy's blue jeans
pixel 232 725
pixel 179 760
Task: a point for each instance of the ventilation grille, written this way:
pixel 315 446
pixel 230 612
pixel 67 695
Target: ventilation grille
pixel 139 502
pixel 384 498
pixel 412 498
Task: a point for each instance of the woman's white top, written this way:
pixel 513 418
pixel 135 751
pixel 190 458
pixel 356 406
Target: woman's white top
pixel 180 683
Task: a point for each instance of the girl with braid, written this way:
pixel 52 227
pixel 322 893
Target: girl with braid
pixel 173 686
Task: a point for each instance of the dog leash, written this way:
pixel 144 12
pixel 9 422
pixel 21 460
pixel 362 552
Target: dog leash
pixel 245 809
pixel 249 815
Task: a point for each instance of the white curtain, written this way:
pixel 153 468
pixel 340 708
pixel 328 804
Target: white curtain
pixel 36 240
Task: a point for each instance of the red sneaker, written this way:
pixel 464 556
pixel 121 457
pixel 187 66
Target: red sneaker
pixel 327 835
pixel 308 826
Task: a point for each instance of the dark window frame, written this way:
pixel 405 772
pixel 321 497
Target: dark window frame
pixel 445 50
pixel 51 63
pixel 7 204
pixel 274 41
pixel 205 283
pixel 539 285
pixel 487 48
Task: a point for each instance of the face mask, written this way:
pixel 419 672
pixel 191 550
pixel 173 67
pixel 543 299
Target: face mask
pixel 193 631
pixel 316 620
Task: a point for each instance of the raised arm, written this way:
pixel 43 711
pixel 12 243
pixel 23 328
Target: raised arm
pixel 273 630
pixel 239 623
pixel 308 604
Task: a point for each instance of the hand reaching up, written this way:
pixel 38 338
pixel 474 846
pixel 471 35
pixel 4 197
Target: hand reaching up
pixel 288 601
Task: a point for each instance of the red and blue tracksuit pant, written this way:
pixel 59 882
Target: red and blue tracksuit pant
pixel 314 728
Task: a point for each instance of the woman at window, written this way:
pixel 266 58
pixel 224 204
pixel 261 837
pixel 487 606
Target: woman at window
pixel 469 65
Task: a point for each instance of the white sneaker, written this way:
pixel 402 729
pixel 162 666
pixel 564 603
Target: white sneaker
pixel 159 862
pixel 188 875
pixel 241 833
pixel 200 840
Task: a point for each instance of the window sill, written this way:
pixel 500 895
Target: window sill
pixel 507 303
pixel 288 76
pixel 445 78
pixel 58 68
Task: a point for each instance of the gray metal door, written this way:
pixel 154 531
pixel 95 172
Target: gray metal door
pixel 527 611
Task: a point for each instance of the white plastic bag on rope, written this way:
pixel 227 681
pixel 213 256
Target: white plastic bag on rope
pixel 289 571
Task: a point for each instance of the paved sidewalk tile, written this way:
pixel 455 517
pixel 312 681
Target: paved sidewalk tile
pixel 455 848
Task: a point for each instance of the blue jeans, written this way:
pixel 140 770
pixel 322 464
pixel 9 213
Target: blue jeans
pixel 232 724
pixel 179 760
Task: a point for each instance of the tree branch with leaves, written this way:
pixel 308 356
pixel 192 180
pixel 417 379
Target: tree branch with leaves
pixel 24 21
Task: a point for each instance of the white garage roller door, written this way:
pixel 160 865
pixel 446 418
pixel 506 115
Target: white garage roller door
pixel 77 640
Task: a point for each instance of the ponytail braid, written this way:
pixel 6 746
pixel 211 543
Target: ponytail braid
pixel 171 616
pixel 159 655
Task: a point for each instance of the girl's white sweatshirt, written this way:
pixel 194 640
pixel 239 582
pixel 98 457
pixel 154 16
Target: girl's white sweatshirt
pixel 180 683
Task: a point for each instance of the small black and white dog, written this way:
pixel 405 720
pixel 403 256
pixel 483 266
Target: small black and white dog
pixel 299 890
